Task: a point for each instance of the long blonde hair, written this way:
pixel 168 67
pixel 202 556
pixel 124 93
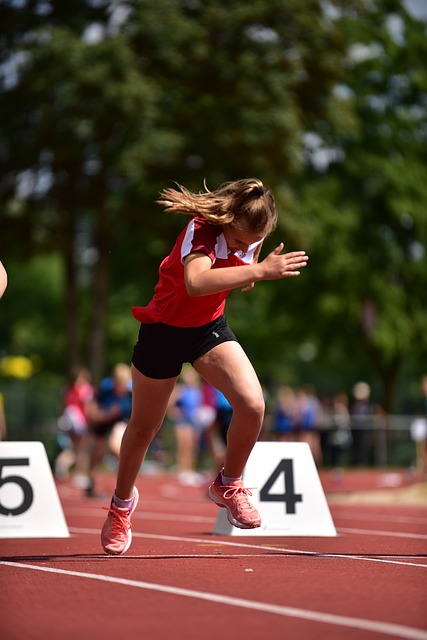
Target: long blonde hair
pixel 244 204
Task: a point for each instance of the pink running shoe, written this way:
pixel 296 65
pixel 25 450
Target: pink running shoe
pixel 116 534
pixel 234 497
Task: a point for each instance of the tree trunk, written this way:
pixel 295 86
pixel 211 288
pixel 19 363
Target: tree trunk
pixel 65 201
pixel 101 281
pixel 72 351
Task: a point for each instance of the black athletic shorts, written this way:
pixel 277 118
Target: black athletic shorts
pixel 162 349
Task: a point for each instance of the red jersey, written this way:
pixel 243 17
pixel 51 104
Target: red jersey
pixel 171 303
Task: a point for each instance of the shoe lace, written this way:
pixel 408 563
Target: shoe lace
pixel 241 493
pixel 120 522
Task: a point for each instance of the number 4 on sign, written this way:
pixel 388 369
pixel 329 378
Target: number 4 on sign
pixel 289 497
pixel 287 492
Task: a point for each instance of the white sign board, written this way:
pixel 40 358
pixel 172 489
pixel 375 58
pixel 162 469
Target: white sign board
pixel 29 502
pixel 287 492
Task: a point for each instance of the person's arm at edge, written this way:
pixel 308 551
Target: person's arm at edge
pixel 3 279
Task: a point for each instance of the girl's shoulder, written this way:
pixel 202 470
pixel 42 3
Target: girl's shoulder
pixel 202 236
pixel 200 223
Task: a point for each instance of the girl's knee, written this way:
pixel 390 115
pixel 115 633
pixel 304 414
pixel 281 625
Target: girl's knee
pixel 253 406
pixel 141 431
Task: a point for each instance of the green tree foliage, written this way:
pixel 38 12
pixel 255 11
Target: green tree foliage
pixel 105 103
pixel 367 211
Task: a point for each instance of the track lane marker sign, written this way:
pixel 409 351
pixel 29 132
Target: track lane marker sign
pixel 287 492
pixel 29 502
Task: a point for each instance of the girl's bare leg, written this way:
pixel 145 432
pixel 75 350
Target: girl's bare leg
pixel 228 368
pixel 150 399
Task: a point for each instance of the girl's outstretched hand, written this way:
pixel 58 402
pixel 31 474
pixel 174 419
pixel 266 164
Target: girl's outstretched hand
pixel 283 265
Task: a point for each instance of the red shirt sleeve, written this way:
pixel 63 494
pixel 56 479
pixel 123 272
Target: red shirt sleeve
pixel 201 236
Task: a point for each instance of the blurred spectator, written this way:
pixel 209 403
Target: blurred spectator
pixel 3 285
pixel 424 394
pixel 190 416
pixel 283 415
pixel 217 431
pixel 362 424
pixel 418 430
pixel 307 420
pixel 73 423
pixel 3 279
pixel 108 415
pixel 340 438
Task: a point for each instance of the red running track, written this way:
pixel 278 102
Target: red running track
pixel 180 581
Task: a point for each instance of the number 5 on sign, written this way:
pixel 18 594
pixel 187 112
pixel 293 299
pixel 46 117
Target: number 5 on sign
pixel 29 503
pixel 27 490
pixel 287 492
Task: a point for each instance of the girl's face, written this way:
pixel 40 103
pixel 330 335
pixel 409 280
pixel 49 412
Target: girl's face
pixel 238 240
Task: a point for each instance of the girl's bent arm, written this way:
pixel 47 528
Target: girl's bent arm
pixel 202 280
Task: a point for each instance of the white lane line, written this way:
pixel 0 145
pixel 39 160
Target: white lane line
pixel 377 517
pixel 375 532
pixel 397 630
pixel 263 547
